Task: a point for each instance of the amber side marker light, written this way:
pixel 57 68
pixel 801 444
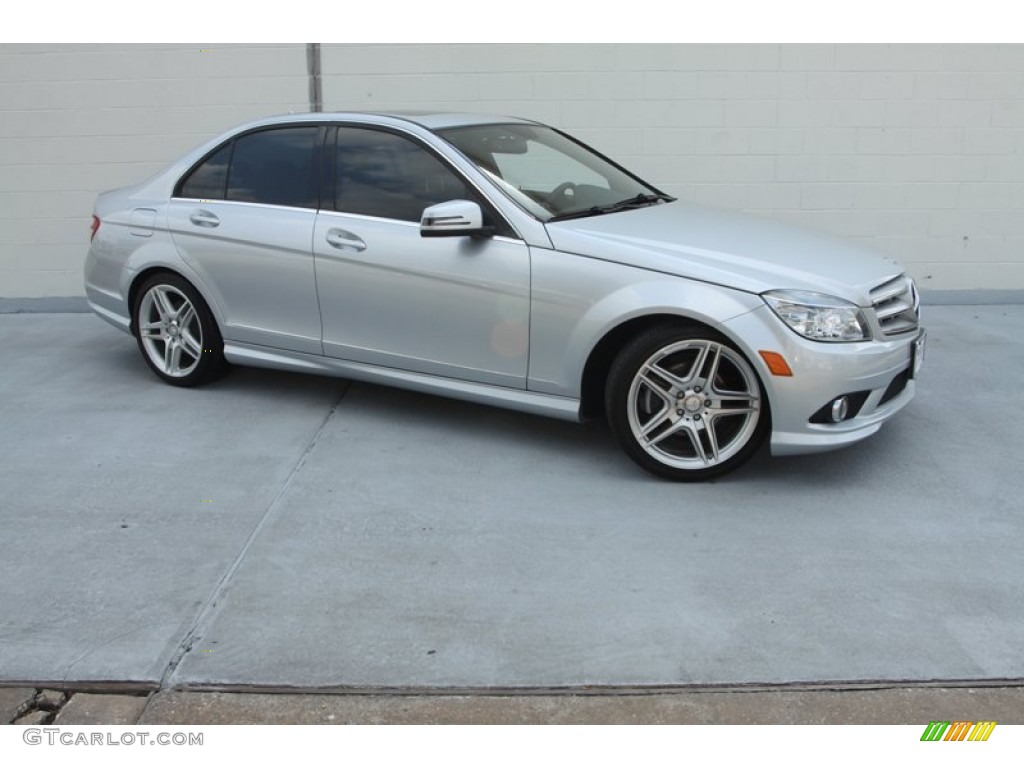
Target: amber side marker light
pixel 776 363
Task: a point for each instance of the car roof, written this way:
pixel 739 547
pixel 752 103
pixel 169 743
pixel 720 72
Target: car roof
pixel 431 120
pixel 438 120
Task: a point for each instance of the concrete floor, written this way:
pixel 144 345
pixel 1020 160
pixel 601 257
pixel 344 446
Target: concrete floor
pixel 285 531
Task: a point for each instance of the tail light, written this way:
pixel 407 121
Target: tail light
pixel 94 228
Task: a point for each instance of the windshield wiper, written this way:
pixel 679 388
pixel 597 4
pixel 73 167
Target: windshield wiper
pixel 639 201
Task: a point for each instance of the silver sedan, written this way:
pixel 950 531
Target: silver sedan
pixel 502 261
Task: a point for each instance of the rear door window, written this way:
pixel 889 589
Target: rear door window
pixel 274 167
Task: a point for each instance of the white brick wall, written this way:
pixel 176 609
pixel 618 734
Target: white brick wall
pixel 79 119
pixel 914 149
pixel 917 150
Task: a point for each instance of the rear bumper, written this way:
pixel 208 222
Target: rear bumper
pixel 117 320
pixel 108 305
pixel 102 276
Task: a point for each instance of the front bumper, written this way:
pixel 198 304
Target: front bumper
pixel 821 373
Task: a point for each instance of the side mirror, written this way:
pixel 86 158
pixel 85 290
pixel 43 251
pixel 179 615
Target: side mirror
pixel 455 218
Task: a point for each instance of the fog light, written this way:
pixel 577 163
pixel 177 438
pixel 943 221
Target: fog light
pixel 840 407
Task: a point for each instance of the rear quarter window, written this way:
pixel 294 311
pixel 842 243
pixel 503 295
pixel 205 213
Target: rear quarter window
pixel 208 180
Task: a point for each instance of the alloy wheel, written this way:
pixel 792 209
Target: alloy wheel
pixel 694 404
pixel 170 331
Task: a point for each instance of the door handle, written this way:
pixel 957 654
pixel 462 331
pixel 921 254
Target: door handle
pixel 204 219
pixel 339 238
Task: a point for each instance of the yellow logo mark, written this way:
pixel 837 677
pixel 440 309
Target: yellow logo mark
pixel 982 730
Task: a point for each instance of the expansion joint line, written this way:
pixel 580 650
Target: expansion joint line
pixel 206 612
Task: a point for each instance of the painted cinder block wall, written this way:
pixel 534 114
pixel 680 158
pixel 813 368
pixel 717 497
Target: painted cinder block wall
pixel 79 119
pixel 917 150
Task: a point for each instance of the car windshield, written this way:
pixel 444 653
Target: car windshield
pixel 549 174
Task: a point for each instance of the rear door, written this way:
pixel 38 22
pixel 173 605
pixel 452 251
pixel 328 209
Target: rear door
pixel 243 218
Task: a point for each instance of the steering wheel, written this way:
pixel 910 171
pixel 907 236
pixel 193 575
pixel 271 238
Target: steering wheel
pixel 563 191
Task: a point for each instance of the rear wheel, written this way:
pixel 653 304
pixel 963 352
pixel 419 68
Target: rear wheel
pixel 176 332
pixel 685 404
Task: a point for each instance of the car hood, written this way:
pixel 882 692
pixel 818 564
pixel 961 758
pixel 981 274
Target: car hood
pixel 729 249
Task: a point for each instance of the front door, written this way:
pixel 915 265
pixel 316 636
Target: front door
pixel 455 307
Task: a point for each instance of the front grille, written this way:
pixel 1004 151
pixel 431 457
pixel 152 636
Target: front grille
pixel 896 305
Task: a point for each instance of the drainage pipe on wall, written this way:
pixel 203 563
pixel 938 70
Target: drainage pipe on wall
pixel 316 96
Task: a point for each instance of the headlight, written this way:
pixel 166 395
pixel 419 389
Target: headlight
pixel 817 316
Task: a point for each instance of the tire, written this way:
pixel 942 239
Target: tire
pixel 176 332
pixel 685 404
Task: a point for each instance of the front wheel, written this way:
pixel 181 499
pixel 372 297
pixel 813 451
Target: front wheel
pixel 177 334
pixel 685 404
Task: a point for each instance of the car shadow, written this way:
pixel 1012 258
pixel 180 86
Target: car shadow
pixel 870 461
